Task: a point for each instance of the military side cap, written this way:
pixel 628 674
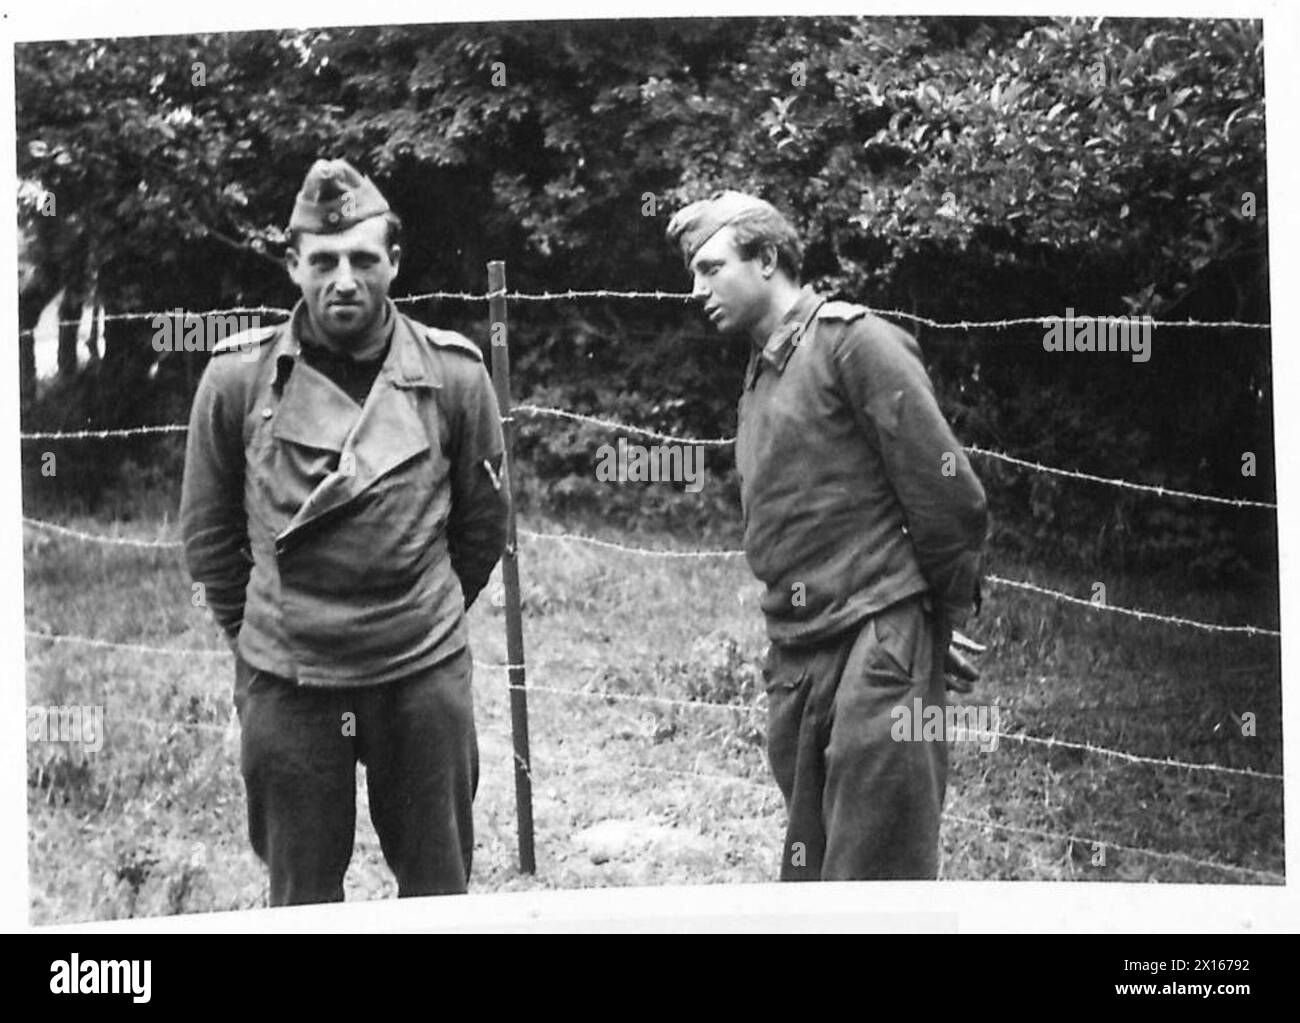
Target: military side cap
pixel 334 197
pixel 695 224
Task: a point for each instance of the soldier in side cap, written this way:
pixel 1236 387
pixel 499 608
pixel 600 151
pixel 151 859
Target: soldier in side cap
pixel 342 508
pixel 865 521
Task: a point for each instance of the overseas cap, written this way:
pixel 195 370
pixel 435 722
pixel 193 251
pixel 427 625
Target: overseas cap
pixel 334 197
pixel 695 224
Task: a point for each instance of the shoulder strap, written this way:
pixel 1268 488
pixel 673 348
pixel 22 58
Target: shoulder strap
pixel 450 339
pixel 244 340
pixel 844 311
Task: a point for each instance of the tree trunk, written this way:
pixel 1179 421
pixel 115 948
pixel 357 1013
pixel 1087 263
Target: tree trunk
pixel 69 325
pixel 29 312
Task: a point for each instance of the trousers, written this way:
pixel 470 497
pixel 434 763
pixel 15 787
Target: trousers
pixel 861 803
pixel 299 747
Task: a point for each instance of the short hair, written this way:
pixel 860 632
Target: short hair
pixel 752 233
pixel 392 235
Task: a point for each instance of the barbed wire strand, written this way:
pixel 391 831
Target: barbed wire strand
pixel 134 648
pixel 1100 843
pixel 245 310
pixel 718 442
pixel 572 294
pixel 1134 758
pixel 610 424
pixel 121 541
pixel 1042 321
pixel 1252 630
pixel 130 431
pixel 603 695
pixel 1123 484
pixel 1021 737
pixel 998 580
pixel 1249 630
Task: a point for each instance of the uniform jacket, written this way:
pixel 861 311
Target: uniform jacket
pixel 342 544
pixel 855 492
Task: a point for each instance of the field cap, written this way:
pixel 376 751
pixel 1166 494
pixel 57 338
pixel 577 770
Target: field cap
pixel 695 224
pixel 334 197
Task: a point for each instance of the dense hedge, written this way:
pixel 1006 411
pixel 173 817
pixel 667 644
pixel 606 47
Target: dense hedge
pixel 955 168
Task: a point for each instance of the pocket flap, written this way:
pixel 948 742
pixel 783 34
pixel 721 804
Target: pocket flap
pixel 781 670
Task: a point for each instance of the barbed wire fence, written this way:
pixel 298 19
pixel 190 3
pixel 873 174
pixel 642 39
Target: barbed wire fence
pixel 516 685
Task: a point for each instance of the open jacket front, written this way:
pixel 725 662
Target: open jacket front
pixel 343 543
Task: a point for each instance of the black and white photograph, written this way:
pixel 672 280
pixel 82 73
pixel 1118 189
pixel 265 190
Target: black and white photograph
pixel 520 457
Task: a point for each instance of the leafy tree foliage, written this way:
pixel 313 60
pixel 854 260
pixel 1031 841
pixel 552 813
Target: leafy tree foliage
pixel 951 167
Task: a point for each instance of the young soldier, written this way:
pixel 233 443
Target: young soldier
pixel 341 510
pixel 865 522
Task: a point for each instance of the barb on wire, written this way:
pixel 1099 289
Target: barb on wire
pixel 1250 630
pixel 489 666
pixel 526 766
pixel 1106 843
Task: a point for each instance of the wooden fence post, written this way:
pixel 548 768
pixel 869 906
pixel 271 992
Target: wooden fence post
pixel 510 570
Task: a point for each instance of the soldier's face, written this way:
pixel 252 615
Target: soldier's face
pixel 732 290
pixel 345 278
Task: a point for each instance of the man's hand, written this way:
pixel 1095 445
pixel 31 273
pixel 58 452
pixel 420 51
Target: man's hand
pixel 962 674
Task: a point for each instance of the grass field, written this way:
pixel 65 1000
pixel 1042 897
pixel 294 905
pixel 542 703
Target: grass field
pixel 632 791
